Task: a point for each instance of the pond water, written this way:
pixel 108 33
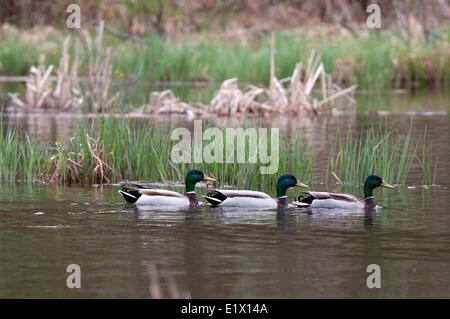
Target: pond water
pixel 210 253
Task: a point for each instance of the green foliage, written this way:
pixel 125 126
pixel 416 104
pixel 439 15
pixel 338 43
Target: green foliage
pixel 22 158
pixel 375 61
pixel 111 150
pixel 377 151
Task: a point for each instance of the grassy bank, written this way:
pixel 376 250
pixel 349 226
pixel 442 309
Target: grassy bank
pixel 376 61
pixel 114 150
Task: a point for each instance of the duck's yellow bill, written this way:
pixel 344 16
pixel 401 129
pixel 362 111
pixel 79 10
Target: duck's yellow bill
pixel 384 184
pixel 207 178
pixel 301 185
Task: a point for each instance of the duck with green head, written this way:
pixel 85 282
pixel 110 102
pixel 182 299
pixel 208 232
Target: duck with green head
pixel 254 199
pixel 141 195
pixel 344 201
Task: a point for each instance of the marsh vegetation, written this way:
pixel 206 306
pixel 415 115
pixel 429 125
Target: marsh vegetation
pixel 113 150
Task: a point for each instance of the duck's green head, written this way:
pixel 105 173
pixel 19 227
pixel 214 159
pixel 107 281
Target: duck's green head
pixel 193 177
pixel 374 181
pixel 285 181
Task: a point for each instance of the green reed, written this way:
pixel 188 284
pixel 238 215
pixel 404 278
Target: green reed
pixel 122 150
pixel 22 158
pixel 428 174
pixel 113 150
pixel 379 151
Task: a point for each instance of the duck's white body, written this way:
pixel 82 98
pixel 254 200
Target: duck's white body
pixel 242 198
pixel 332 200
pixel 149 197
pixel 161 197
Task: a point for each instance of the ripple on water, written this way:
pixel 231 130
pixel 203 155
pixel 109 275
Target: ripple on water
pixel 49 226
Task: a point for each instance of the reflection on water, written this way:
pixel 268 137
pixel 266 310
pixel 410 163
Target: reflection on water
pixel 291 253
pixel 434 104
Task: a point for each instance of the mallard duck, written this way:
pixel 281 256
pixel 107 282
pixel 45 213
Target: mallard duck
pixel 345 201
pixel 162 197
pixel 254 199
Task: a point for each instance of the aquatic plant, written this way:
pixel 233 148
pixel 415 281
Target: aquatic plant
pixel 374 61
pixel 377 151
pixel 113 150
pixel 297 98
pixel 39 91
pixel 22 158
pixel 428 173
pixel 165 102
pixel 71 91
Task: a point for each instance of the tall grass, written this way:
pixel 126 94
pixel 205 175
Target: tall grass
pixel 379 151
pixel 22 158
pixel 121 151
pixel 428 173
pixel 112 150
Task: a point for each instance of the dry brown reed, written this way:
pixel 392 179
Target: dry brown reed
pixel 298 97
pixel 96 89
pixel 310 91
pixel 93 91
pixel 64 162
pixel 99 170
pixel 165 102
pixel 71 92
pixel 230 100
pixel 40 94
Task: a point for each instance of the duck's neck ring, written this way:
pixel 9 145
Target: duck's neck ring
pixel 370 202
pixel 282 202
pixel 192 197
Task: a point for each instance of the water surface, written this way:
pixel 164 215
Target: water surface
pixel 239 254
pixel 214 254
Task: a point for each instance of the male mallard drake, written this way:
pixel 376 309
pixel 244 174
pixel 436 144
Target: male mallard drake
pixel 254 199
pixel 346 201
pixel 166 198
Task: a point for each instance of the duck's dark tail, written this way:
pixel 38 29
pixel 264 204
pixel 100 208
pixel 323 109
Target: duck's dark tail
pixel 130 195
pixel 304 201
pixel 215 198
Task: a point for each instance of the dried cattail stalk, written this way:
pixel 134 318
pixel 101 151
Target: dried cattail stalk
pixel 165 102
pixel 39 91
